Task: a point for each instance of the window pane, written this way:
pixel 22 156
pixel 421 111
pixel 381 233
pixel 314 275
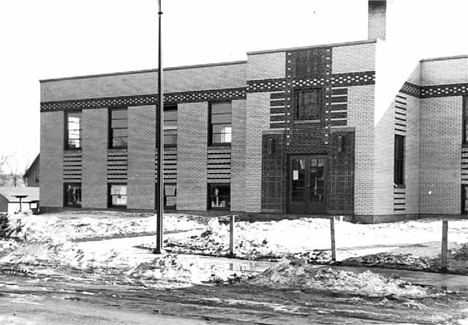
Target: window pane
pixel 119 114
pixel 307 104
pixel 72 194
pixel 119 123
pixel 170 115
pixel 119 200
pixel 170 139
pixel 119 133
pixel 221 118
pixel 219 196
pixel 119 142
pixel 221 107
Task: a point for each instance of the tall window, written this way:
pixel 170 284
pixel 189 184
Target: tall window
pixel 73 132
pixel 219 196
pixel 220 131
pixel 72 195
pixel 399 163
pixel 170 196
pixel 118 128
pixel 170 125
pixel 117 195
pixel 307 103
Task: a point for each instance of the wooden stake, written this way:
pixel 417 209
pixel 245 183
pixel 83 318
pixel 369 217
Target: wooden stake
pixel 332 235
pixel 231 234
pixel 443 255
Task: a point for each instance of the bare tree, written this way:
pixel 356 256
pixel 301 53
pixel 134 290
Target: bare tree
pixel 9 171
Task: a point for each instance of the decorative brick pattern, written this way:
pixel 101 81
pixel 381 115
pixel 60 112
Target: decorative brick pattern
pixel 192 156
pixel 273 174
pixel 170 165
pixel 256 86
pixel 72 166
pixel 94 184
pixel 464 166
pixel 444 90
pixel 51 167
pixel 340 185
pixel 400 115
pixel 339 107
pixel 219 165
pixel 141 100
pixel 117 166
pixel 411 89
pixel 354 79
pixel 141 152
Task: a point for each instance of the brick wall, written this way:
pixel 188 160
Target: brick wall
pixel 141 153
pixel 354 58
pixel 192 156
pixel 440 72
pixel 239 111
pixel 384 163
pixel 440 152
pixel 412 154
pixel 51 168
pixel 145 82
pixel 258 119
pixel 94 153
pixel 361 117
pixel 266 66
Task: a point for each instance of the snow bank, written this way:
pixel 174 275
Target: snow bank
pixel 287 273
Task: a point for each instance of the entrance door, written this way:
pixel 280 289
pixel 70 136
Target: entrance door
pixel 306 193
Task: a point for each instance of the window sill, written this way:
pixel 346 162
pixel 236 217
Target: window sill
pixel 464 145
pixel 400 186
pixel 118 149
pixel 227 144
pixel 219 209
pixel 73 149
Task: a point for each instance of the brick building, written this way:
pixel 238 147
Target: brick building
pixel 331 129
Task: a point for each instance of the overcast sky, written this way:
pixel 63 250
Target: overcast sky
pixel 42 39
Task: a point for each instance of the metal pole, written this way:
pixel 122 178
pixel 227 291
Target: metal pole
pixel 160 147
pixel 231 234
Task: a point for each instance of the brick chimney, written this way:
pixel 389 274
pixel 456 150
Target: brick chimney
pixel 377 19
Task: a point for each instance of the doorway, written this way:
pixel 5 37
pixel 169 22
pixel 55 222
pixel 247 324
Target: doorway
pixel 306 190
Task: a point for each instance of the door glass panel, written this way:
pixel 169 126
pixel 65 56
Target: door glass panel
pixel 317 180
pixel 298 179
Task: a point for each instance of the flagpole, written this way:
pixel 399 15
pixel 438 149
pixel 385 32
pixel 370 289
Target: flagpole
pixel 160 146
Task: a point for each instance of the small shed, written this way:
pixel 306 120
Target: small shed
pixel 14 199
pixel 31 176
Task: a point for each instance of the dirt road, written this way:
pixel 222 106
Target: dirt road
pixel 73 300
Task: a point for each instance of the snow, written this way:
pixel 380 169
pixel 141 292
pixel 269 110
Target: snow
pixel 49 243
pixel 287 273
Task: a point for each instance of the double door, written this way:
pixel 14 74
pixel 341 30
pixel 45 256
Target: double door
pixel 307 185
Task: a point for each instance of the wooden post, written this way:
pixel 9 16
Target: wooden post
pixel 231 234
pixel 443 255
pixel 332 235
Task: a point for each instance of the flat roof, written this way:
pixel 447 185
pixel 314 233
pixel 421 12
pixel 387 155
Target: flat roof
pixel 443 58
pixel 196 66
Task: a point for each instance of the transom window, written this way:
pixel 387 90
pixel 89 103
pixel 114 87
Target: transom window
pixel 170 196
pixel 307 104
pixel 220 131
pixel 118 195
pixel 118 128
pixel 219 196
pixel 170 125
pixel 73 133
pixel 72 195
